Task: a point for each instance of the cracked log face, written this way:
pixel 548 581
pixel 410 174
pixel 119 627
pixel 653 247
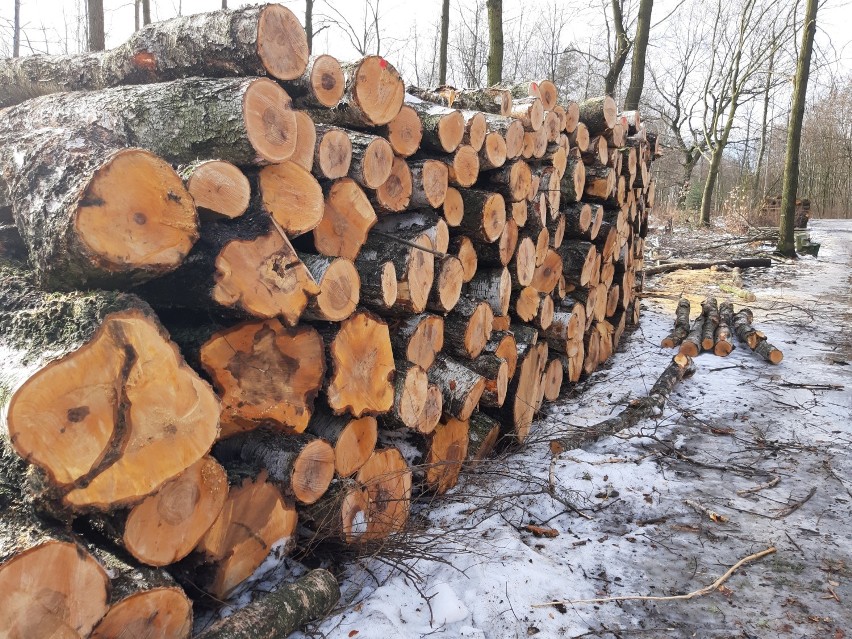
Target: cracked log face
pixel 55 590
pixel 147 223
pixel 166 526
pixel 267 375
pixel 116 418
pixel 269 120
pixel 255 517
pixel 387 478
pixel 158 613
pixel 282 44
pixel 363 367
pixel 347 217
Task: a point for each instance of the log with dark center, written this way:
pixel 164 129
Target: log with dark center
pixel 347 218
pixel 681 367
pixel 362 367
pixel 404 132
pixel 243 267
pixel 320 86
pixel 301 466
pixel 681 325
pixel 257 40
pixel 218 188
pixel 552 380
pixel 255 517
pixel 546 277
pixel 461 387
pixel 112 411
pixel 353 439
pixel 387 478
pixel 282 612
pixel 419 338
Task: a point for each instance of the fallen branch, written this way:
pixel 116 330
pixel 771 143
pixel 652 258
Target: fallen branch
pixel 747 262
pixel 680 367
pixel 789 510
pixel 750 491
pixel 690 595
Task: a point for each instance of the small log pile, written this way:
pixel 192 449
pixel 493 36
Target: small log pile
pixel 253 299
pixel 712 331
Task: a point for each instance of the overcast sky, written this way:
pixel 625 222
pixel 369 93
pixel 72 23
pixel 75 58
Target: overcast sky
pixel 58 19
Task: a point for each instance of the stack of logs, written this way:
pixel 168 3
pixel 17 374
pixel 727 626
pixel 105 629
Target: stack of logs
pixel 711 331
pixel 230 271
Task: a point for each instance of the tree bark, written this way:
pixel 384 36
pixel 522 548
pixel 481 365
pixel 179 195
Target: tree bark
pixel 622 48
pixel 640 46
pixel 787 243
pixel 495 42
pixel 256 40
pixel 681 326
pixel 442 50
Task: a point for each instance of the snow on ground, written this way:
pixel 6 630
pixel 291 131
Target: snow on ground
pixel 619 505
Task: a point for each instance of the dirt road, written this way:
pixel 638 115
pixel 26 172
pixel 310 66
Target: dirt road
pixel 620 506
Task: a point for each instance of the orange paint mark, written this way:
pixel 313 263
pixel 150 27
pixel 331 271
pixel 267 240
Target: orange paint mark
pixel 145 60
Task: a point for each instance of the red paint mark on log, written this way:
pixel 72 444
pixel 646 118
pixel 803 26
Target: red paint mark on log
pixel 383 63
pixel 145 60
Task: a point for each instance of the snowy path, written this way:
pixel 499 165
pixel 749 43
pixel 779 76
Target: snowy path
pixel 732 427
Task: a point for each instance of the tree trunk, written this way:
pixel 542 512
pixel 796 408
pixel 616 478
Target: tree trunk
pixel 95 11
pixel 468 328
pixel 599 114
pixel 723 345
pixel 16 30
pixel 622 48
pixel 443 128
pixel 495 42
pixel 640 46
pixel 442 50
pixel 710 310
pixel 786 243
pixel 309 22
pixel 98 354
pixel 521 403
pixel 146 12
pixel 256 40
pixel 484 215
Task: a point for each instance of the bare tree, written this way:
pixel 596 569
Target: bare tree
pixel 761 153
pixel 365 38
pixel 146 12
pixel 309 23
pixel 495 41
pixel 786 242
pixel 224 4
pixel 622 47
pixel 469 45
pixel 16 30
pixel 640 46
pixel 445 34
pixel 96 25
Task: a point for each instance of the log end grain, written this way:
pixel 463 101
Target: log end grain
pixel 292 196
pixel 219 188
pixel 327 80
pixel 378 90
pixel 157 612
pixel 282 44
pixel 270 121
pixel 405 132
pixel 387 479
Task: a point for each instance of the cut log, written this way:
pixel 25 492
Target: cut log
pixel 461 388
pixel 578 261
pixel 710 310
pixel 500 253
pixel 579 138
pixel 741 263
pixel 411 388
pixel 387 478
pixel 495 371
pixel 419 338
pixel 415 268
pixel 429 180
pixel 546 277
pixel 598 114
pixel 651 405
pixel 483 433
pixel 529 111
pixel 447 285
pixel 572 116
pixel 485 214
pixel 282 612
pixel 332 152
pixel 578 220
pixel 51 586
pixel 512 181
pixel 292 196
pixel 339 287
pixel 434 406
pixel 347 218
pixel 475 129
pixel 353 439
pixel 691 345
pixel 378 283
pixel 300 466
pixel 453 207
pixel 768 352
pixel 525 304
pixel 241 267
pixel 218 188
pixel 167 525
pixel 574 180
pixel 489 100
pixel 522 269
pixel 374 91
pixel 522 398
pixel 600 182
pixel 467 328
pixel 255 517
pixel 320 85
pixel 372 159
pixel 511 130
pixel 553 125
pixel 447 452
pixel 681 327
pixel 492 155
pixel 113 411
pixel 723 346
pixel 341 514
pixel 494 286
pixel 443 128
pixel 85 225
pixel 306 140
pixel 362 367
pixel 266 374
pixel 257 40
pixel 566 328
pixel 597 151
pixel 404 132
pixel 464 250
pixel 395 194
pixel 463 169
pixel 552 381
